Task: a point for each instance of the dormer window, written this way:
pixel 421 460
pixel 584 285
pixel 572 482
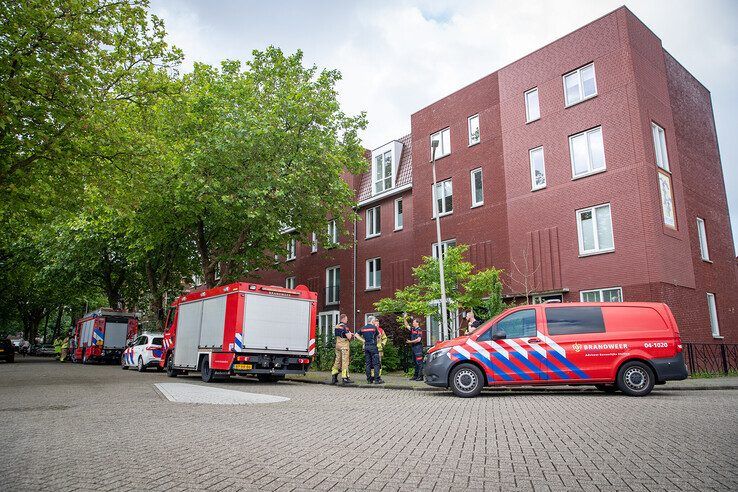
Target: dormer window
pixel 385 161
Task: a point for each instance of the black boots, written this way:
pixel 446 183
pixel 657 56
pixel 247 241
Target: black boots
pixel 334 379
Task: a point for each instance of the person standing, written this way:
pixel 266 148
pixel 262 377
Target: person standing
pixel 473 322
pixel 370 337
pixel 416 344
pixel 381 342
pixel 343 351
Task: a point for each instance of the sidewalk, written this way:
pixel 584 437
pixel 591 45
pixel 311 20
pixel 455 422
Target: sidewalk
pixel 398 381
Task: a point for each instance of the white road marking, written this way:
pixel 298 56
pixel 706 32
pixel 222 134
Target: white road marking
pixel 195 393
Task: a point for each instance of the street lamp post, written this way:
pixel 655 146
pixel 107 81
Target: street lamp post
pixel 444 312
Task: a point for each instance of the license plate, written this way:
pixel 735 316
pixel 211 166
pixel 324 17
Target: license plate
pixel 242 367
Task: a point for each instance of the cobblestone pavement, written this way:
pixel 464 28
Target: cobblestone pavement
pixel 73 427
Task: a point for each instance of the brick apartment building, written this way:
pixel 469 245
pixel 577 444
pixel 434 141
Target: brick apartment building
pixel 595 159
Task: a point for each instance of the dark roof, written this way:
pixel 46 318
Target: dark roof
pixel 404 171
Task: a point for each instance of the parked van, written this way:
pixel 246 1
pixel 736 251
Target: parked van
pixel 622 346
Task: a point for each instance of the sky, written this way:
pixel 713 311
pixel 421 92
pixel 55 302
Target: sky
pixel 397 57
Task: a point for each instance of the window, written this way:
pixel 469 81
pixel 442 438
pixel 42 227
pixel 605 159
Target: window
pixel 291 249
pixel 444 143
pixel 157 341
pixel 332 285
pixel 333 232
pixel 477 191
pixel 450 243
pixel 382 172
pixel 594 226
pixel 443 198
pixel 474 136
pixel 702 235
pixel 290 282
pixel 587 152
pixel 574 320
pixel 541 298
pixel 613 294
pixel 373 222
pixel 398 214
pixel 659 146
pixel 537 169
pixel 712 307
pixel 580 85
pixel 314 244
pixel 374 273
pixel 515 325
pixel 667 199
pixel 326 321
pixel 532 110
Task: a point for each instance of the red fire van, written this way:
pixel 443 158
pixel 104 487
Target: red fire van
pixel 626 346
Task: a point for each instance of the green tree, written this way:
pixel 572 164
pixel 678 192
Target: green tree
pixel 258 149
pixel 464 289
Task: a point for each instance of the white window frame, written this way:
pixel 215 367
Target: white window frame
pixel 664 177
pixel 475 200
pixel 333 232
pixel 328 276
pixel 590 169
pixel 314 244
pixel 333 317
pixel 578 72
pixel 601 294
pixel 597 250
pixel 533 186
pixel 373 217
pixel 290 282
pixel 399 215
pixel 291 250
pixel 659 147
pixel 472 140
pixel 374 282
pixel 444 143
pixel 702 238
pixel 448 243
pixel 443 201
pixel 528 118
pixel 382 180
pixel 712 311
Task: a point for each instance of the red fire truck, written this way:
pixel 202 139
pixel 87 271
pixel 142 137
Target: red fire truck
pixel 241 329
pixel 101 335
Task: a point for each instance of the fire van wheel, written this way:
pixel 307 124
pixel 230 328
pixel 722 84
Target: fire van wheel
pixel 206 373
pixel 171 371
pixel 141 367
pixel 466 380
pixel 635 379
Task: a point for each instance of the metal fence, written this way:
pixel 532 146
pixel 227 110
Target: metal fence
pixel 711 357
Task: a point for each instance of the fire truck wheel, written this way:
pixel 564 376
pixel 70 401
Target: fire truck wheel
pixel 206 373
pixel 607 388
pixel 635 379
pixel 466 380
pixel 171 371
pixel 141 367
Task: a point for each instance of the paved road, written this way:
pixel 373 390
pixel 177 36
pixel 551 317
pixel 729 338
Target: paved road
pixel 70 427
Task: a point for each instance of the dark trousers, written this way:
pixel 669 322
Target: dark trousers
pixel 371 356
pixel 418 360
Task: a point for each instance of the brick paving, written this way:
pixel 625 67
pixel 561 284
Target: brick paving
pixel 71 427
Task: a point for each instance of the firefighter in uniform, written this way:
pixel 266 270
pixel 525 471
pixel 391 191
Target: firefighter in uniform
pixel 343 338
pixel 370 337
pixel 416 344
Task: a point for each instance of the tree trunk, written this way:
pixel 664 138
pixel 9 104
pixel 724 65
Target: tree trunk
pixel 208 268
pixel 57 325
pixel 46 325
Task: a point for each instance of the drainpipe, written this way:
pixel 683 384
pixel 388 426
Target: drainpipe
pixel 353 286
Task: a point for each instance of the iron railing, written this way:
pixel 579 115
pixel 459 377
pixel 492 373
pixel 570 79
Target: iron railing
pixel 711 357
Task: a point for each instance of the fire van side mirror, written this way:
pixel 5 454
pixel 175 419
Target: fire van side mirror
pixel 499 334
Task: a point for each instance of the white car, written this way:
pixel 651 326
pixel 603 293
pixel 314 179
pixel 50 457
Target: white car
pixel 145 351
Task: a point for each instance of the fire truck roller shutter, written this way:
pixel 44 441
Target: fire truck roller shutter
pixel 276 323
pixel 115 335
pixel 86 335
pixel 213 320
pixel 188 334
